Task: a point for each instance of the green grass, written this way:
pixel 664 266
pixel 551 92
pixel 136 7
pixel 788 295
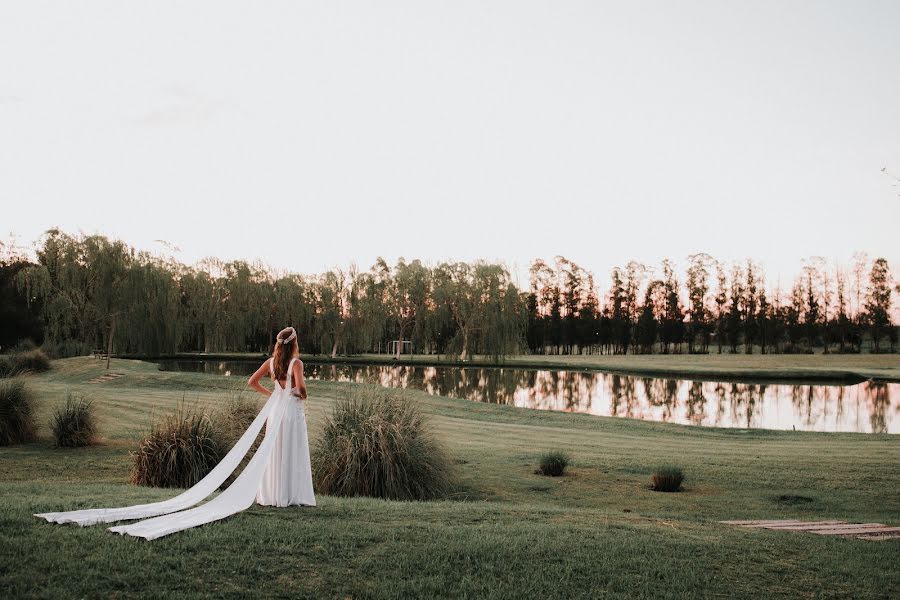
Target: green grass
pixel 848 368
pixel 513 533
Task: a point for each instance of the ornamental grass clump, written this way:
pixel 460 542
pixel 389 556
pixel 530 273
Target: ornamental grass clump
pixel 180 450
pixel 17 425
pixel 17 363
pixel 553 463
pixel 667 479
pixel 75 424
pixel 376 443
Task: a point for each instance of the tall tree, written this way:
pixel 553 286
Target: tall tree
pixel 878 301
pixel 697 289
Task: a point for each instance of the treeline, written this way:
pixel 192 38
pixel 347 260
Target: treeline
pixel 89 292
pixel 719 307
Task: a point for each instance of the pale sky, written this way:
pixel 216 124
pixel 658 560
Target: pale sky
pixel 315 134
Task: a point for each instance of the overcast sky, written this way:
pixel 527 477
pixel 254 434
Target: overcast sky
pixel 313 134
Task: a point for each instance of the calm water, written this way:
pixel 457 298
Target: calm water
pixel 865 407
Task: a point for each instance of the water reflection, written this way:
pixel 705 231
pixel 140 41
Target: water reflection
pixel 866 407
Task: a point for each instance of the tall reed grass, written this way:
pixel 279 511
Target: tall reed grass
pixel 667 479
pixel 29 361
pixel 553 463
pixel 17 425
pixel 75 424
pixel 377 443
pixel 180 450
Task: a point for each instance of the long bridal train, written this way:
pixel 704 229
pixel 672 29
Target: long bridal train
pixel 278 474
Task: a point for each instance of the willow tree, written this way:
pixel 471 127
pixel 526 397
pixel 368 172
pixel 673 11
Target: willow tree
pixel 483 304
pixel 80 281
pixel 291 307
pixel 203 296
pixel 407 290
pixel 334 292
pixel 59 281
pixel 156 317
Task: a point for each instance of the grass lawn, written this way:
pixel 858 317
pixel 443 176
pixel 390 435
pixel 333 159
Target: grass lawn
pixel 509 533
pixel 778 367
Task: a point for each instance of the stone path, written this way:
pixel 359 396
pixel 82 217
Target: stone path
pixel 865 531
pixel 106 377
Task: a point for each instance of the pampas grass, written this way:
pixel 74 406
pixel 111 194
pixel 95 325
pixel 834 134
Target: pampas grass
pixel 75 424
pixel 17 424
pixel 180 450
pixel 376 443
pixel 30 361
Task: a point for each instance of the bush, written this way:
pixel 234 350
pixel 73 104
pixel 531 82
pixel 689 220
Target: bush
pixel 67 349
pixel 667 479
pixel 180 450
pixel 376 443
pixel 553 463
pixel 17 424
pixel 31 361
pixel 75 424
pixel 24 345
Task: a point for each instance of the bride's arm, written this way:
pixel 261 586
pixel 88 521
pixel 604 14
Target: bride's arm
pixel 298 377
pixel 254 379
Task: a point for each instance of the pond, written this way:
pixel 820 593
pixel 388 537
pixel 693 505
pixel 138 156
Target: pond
pixel 867 407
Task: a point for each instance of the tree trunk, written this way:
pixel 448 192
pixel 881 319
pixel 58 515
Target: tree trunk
pixel 399 342
pixel 109 339
pixel 465 348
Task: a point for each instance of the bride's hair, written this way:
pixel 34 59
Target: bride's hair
pixel 286 348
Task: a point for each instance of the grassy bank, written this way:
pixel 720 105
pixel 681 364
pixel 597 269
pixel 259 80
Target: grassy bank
pixel 508 533
pixel 846 368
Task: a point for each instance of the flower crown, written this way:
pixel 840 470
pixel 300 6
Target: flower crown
pixel 288 338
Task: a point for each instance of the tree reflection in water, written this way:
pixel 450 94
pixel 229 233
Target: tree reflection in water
pixel 866 407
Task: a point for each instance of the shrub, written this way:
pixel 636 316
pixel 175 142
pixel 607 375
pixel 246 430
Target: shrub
pixel 75 424
pixel 553 463
pixel 180 450
pixel 17 424
pixel 31 361
pixel 667 479
pixel 376 443
pixel 24 345
pixel 67 348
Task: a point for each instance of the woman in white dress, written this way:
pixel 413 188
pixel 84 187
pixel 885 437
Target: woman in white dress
pixel 279 473
pixel 287 479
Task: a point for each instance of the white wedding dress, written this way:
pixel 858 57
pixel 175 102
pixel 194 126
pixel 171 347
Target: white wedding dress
pixel 279 474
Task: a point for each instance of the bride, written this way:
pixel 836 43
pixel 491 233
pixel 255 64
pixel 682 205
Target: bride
pixel 279 473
